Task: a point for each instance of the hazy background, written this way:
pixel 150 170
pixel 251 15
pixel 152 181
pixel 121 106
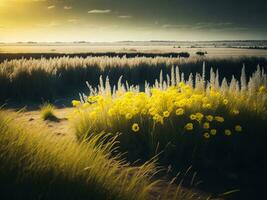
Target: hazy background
pixel 116 20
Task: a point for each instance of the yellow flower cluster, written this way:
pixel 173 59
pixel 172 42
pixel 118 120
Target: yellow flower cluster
pixel 76 103
pixel 182 106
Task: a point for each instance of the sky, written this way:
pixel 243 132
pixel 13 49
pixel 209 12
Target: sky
pixel 138 20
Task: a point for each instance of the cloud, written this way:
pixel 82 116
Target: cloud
pixel 203 25
pixel 125 16
pixel 67 7
pixel 175 26
pixel 51 7
pixel 200 26
pixel 49 25
pixel 95 11
pixel 72 20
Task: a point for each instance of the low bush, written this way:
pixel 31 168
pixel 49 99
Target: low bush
pixel 47 112
pixel 201 53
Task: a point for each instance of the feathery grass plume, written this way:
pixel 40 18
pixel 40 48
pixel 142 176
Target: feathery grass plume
pixel 47 112
pixel 243 79
pixel 62 75
pixel 203 75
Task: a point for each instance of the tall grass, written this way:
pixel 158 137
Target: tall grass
pixel 37 165
pixel 44 79
pixel 48 112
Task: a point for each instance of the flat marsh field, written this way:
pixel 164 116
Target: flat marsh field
pixel 133 121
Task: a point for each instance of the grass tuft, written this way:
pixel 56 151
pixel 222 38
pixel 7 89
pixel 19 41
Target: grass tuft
pixel 48 112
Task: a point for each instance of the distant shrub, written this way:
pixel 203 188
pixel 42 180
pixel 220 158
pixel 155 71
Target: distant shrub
pixel 48 112
pixel 201 53
pixel 184 55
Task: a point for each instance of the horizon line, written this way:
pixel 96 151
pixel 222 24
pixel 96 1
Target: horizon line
pixel 125 41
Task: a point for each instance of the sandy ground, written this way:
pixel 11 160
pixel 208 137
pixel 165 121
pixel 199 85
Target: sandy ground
pixel 61 127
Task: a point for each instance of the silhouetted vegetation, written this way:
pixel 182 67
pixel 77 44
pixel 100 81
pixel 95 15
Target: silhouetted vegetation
pixel 48 112
pixel 47 79
pixel 201 53
pixel 10 56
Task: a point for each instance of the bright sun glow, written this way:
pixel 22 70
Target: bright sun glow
pixel 5 3
pixel 69 20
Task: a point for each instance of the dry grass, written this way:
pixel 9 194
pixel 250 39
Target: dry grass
pixel 47 112
pixel 38 165
pixel 46 79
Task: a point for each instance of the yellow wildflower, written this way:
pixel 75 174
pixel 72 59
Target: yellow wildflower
pixel 99 99
pixel 193 117
pixel 111 112
pixel 209 118
pixel 152 111
pixel 86 105
pixel 93 114
pixel 179 111
pixel 207 106
pixel 238 128
pixel 225 101
pixel 235 111
pixel 199 116
pixel 206 135
pixel 180 103
pixel 135 127
pixel 181 84
pixel 166 114
pixel 219 119
pixel 227 132
pixel 143 112
pixel 135 110
pixel 76 103
pixel 205 99
pixel 189 127
pixel 129 116
pixel 213 131
pixel 206 125
pixel 91 99
pixel 158 118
